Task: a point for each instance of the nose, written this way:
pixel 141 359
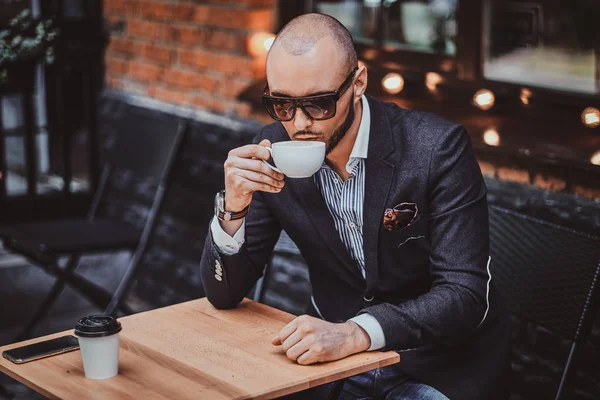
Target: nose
pixel 301 120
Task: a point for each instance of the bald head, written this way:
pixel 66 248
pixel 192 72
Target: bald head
pixel 302 34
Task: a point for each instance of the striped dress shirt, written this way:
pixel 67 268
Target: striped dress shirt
pixel 344 200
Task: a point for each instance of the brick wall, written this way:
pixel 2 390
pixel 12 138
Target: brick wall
pixel 190 53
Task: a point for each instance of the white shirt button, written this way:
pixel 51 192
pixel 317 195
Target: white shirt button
pixel 218 277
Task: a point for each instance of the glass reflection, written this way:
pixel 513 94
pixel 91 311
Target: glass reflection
pixel 419 25
pixel 549 43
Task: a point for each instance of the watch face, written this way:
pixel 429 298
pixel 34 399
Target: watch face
pixel 218 203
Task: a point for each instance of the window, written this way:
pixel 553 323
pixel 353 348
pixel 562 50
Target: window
pixel 417 25
pixel 549 44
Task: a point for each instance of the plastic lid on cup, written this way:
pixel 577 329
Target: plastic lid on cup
pixel 97 326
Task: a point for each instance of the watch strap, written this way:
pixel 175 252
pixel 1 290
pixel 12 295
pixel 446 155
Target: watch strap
pixel 232 215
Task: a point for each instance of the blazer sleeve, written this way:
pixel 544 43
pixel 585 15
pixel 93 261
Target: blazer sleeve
pixel 457 302
pixel 240 271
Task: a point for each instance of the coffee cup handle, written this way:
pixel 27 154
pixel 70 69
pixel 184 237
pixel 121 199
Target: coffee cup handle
pixel 269 165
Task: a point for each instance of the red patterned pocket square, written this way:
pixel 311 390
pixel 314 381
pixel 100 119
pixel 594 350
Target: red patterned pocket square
pixel 401 216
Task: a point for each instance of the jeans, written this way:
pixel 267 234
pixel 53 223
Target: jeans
pixel 387 383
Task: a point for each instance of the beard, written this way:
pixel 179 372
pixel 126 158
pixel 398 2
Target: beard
pixel 338 133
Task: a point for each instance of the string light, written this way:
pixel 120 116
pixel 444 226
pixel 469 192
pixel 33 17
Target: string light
pixel 595 158
pixel 484 99
pixel 491 137
pixel 525 96
pixel 259 43
pixel 393 83
pixel 591 117
pixel 432 79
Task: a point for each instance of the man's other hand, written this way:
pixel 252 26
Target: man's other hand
pixel 309 340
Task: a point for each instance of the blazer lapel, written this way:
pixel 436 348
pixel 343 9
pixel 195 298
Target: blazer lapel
pixel 378 181
pixel 308 193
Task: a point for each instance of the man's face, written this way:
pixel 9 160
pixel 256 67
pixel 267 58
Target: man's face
pixel 317 72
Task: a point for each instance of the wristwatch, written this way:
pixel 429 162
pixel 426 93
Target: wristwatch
pixel 227 215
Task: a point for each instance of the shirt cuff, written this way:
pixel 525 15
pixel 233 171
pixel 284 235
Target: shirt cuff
pixel 373 328
pixel 226 244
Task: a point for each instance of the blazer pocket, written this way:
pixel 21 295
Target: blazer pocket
pixel 413 249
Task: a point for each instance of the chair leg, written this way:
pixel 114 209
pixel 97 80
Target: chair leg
pixel 336 391
pixel 124 285
pixel 94 293
pixel 50 299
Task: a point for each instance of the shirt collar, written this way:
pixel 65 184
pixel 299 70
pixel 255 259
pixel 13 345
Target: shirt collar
pixel 361 144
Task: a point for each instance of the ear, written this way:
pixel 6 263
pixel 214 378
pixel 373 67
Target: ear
pixel 360 84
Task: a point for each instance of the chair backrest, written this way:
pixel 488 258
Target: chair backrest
pixel 139 150
pixel 547 274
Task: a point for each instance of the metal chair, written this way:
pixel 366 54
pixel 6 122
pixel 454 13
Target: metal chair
pixel 548 275
pixel 142 146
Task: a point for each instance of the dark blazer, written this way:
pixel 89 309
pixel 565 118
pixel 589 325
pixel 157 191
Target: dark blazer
pixel 428 283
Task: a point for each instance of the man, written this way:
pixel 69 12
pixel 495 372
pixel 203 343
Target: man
pixel 393 227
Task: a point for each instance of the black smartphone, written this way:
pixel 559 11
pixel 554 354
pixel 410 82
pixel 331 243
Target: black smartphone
pixel 43 349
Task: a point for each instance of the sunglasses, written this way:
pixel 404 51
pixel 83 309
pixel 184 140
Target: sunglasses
pixel 318 107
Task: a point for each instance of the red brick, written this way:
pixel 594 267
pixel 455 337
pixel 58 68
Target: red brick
pixel 201 14
pixel 513 174
pixel 114 83
pixel 148 29
pixel 116 66
pixel 213 103
pixel 120 6
pixel 168 95
pixel 225 40
pixel 189 79
pixel 232 64
pixel 248 3
pixel 156 9
pixel 208 83
pixel 185 11
pixel 232 87
pixel 202 102
pixel 259 68
pixel 260 19
pixel 144 71
pixel 196 58
pixel 253 19
pixel 123 45
pixel 157 52
pixel 190 34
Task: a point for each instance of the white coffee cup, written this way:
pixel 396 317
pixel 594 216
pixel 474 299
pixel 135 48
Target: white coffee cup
pixel 99 345
pixel 297 158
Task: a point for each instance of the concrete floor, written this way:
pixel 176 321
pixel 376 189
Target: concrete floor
pixel 22 289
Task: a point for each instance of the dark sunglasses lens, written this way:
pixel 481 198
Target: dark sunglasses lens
pixel 280 108
pixel 321 108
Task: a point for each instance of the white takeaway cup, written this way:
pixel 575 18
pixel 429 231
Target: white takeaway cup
pixel 297 158
pixel 99 345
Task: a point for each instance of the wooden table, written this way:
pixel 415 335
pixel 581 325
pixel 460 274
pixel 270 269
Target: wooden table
pixel 192 351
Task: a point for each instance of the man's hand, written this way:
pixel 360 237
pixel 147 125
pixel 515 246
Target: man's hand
pixel 245 173
pixel 308 340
